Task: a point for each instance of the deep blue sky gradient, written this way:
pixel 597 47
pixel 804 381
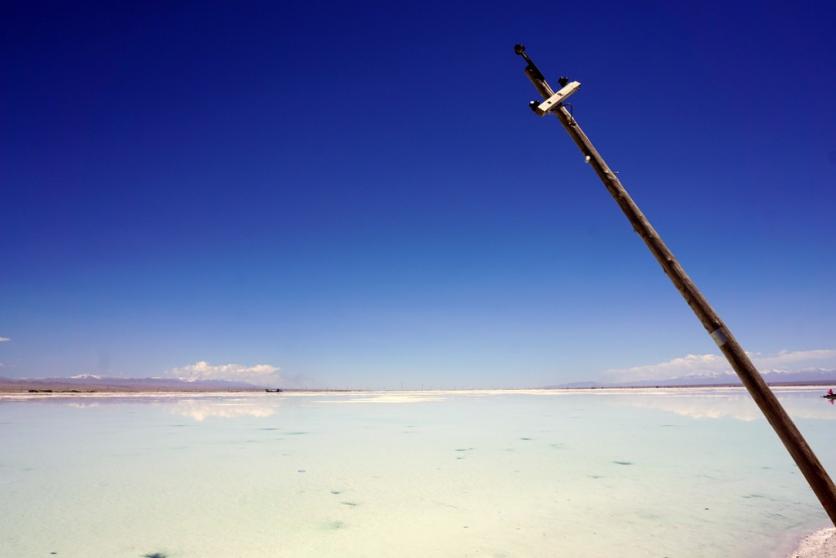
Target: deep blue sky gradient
pixel 358 193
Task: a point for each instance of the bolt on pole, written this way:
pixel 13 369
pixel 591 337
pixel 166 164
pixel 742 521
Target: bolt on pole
pixel 802 454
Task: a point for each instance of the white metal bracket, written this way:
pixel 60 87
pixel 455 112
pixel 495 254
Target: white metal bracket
pixel 555 100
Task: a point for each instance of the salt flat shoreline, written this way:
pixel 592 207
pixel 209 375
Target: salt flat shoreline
pixel 820 544
pixel 46 392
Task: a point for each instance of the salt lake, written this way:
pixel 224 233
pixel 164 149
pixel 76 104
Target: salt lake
pixel 576 473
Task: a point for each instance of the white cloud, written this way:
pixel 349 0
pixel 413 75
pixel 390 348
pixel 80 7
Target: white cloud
pixel 688 365
pixel 202 370
pixel 4 339
pixel 713 365
pixel 785 361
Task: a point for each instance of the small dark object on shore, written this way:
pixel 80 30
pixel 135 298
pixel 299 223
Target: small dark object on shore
pixel 277 390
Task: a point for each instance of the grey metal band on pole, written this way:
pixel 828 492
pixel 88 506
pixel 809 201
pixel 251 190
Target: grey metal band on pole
pixel 795 443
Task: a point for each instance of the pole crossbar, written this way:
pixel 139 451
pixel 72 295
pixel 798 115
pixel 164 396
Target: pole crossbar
pixel 796 445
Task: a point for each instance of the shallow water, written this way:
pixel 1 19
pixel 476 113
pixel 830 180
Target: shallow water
pixel 678 473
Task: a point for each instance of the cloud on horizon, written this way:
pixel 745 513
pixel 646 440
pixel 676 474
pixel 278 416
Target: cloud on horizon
pixel 202 370
pixel 714 365
pixel 4 339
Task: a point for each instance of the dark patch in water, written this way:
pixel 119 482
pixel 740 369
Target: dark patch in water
pixel 526 439
pixel 155 555
pixel 349 504
pixel 595 476
pixel 300 471
pixel 296 433
pixel 269 428
pixel 464 449
pixel 754 496
pixel 334 525
pixel 623 462
pixel 335 492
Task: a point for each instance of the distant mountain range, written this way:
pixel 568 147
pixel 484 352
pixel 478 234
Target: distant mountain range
pixel 774 378
pixel 91 382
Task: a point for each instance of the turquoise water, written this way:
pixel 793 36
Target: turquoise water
pixel 678 473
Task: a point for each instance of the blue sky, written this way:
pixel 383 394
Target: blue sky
pixel 357 194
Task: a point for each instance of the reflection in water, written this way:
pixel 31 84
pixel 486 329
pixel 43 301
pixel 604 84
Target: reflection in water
pixel 82 405
pixel 702 404
pixel 388 398
pixel 200 409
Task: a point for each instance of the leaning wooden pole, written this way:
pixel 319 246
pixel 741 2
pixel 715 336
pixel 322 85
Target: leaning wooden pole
pixel 803 455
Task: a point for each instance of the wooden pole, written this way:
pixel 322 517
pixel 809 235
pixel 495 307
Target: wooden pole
pixel 803 455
